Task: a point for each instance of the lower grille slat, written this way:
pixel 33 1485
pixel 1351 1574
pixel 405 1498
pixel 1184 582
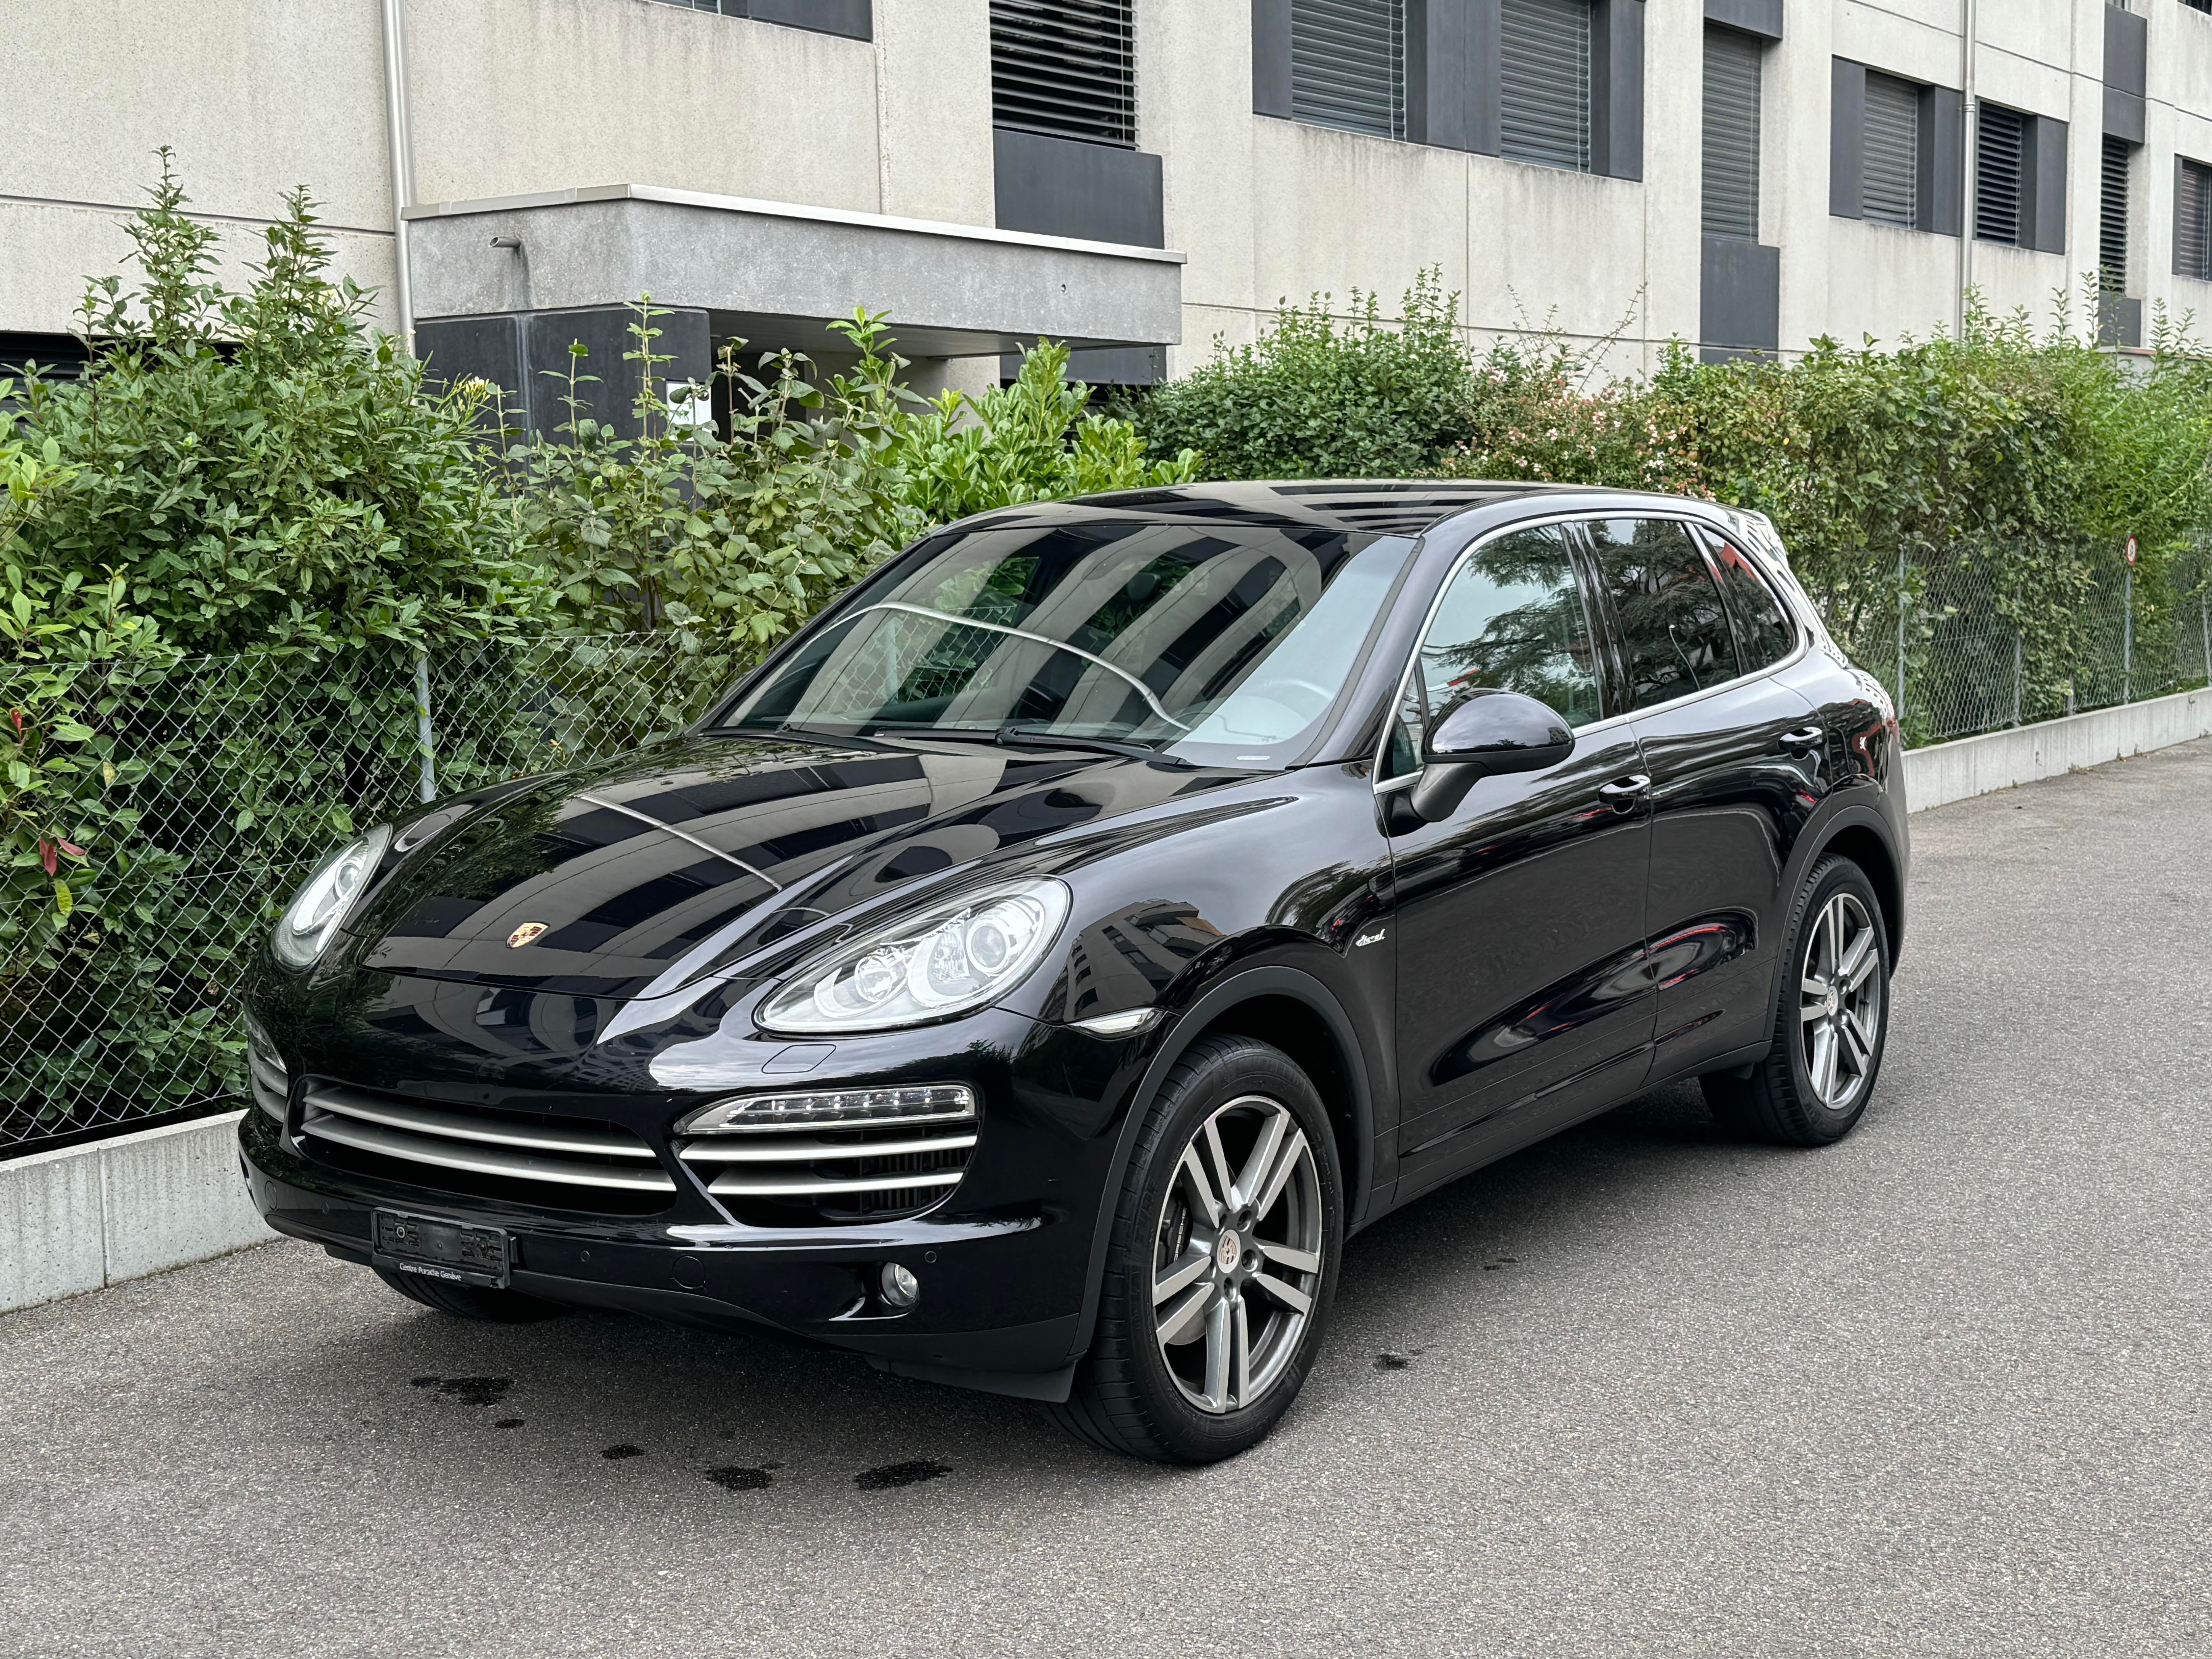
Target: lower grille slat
pixel 816 1169
pixel 479 1159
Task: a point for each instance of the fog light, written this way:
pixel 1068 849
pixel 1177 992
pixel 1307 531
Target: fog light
pixel 900 1288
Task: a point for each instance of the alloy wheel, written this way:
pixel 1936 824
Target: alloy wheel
pixel 1236 1262
pixel 1839 1006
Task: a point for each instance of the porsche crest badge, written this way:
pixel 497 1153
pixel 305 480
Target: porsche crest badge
pixel 522 935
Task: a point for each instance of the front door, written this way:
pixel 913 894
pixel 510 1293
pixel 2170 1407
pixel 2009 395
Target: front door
pixel 1733 757
pixel 1520 919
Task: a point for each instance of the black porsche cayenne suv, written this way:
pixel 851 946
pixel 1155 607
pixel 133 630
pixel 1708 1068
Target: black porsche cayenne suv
pixel 1029 975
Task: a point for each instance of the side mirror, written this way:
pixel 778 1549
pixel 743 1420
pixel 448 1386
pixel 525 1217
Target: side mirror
pixel 1493 732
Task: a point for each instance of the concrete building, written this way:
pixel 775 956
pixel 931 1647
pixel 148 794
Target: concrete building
pixel 1134 176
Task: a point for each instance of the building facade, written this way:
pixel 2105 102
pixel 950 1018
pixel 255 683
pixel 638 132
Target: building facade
pixel 1136 177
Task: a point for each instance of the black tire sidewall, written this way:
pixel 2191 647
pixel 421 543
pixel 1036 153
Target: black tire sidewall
pixel 1250 1067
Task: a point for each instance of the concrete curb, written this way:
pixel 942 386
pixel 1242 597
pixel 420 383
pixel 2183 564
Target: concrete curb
pixel 1945 772
pixel 84 1216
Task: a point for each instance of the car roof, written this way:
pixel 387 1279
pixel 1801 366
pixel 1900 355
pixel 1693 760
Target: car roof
pixel 1359 507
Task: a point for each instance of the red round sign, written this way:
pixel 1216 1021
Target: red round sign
pixel 2131 549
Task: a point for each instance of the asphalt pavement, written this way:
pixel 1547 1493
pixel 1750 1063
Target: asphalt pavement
pixel 1940 1390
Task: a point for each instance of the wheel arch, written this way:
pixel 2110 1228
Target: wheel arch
pixel 1858 839
pixel 1287 1009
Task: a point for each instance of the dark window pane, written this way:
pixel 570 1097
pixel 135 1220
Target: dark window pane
pixel 1731 148
pixel 1892 151
pixel 1348 64
pixel 1672 622
pixel 1762 626
pixel 1997 156
pixel 1513 620
pixel 1544 82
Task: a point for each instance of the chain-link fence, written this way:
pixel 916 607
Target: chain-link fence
pixel 229 778
pixel 233 776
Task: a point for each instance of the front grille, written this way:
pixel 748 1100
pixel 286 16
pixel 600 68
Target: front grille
pixel 803 1175
pixel 571 1163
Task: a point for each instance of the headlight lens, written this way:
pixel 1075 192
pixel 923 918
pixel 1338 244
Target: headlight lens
pixel 319 908
pixel 945 960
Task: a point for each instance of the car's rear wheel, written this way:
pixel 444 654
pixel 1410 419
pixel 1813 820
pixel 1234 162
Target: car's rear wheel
pixel 1832 1019
pixel 1220 1265
pixel 482 1302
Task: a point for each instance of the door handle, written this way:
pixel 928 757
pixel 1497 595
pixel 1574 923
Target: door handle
pixel 1802 741
pixel 1623 794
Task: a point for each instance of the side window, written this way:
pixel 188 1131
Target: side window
pixel 1674 628
pixel 1512 620
pixel 1762 626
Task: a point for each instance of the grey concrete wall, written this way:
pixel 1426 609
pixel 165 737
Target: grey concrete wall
pixel 1945 772
pixel 84 1216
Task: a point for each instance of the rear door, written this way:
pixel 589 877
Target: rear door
pixel 1520 919
pixel 1732 754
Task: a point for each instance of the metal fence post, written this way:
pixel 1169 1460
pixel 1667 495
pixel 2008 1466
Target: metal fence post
pixel 2018 670
pixel 1901 635
pixel 425 736
pixel 2128 636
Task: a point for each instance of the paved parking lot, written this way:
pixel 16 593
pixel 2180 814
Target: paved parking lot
pixel 1940 1390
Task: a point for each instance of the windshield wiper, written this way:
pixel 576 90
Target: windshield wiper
pixel 1027 737
pixel 1041 737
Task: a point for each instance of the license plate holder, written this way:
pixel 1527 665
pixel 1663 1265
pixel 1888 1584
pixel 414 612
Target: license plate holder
pixel 456 1252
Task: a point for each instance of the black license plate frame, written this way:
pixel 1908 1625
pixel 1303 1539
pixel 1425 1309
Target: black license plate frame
pixel 439 1248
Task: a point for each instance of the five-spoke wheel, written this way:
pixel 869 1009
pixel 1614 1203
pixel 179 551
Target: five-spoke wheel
pixel 1236 1260
pixel 1828 1024
pixel 1220 1262
pixel 1839 1001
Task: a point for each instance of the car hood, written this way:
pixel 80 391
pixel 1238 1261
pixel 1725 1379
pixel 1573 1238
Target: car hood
pixel 644 873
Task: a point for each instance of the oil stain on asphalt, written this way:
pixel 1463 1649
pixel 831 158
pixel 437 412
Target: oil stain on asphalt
pixel 740 1480
pixel 469 1390
pixel 616 1454
pixel 901 1475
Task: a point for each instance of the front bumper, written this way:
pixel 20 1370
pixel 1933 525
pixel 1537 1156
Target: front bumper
pixel 1004 1262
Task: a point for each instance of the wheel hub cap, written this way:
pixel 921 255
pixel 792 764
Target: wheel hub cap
pixel 1227 1249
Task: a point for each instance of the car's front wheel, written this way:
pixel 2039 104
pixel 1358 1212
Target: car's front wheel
pixel 1831 1023
pixel 1221 1263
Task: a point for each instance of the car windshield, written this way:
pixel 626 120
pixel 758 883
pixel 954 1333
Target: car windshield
pixel 1224 644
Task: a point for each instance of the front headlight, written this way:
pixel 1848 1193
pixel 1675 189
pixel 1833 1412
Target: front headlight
pixel 319 908
pixel 946 960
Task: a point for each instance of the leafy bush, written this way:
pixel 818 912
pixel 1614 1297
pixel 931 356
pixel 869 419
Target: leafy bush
pixel 1033 440
pixel 1315 398
pixel 259 469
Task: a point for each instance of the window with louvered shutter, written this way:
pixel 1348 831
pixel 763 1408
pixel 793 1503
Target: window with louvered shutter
pixel 1065 68
pixel 1348 65
pixel 1892 191
pixel 1733 61
pixel 1997 174
pixel 1544 82
pixel 2192 220
pixel 2112 217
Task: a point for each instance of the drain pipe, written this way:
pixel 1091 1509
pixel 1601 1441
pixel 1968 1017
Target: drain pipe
pixel 1970 117
pixel 399 134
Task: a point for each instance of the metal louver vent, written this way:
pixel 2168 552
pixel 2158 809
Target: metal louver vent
pixel 1544 82
pixel 1348 65
pixel 1892 151
pixel 2112 217
pixel 1997 174
pixel 2192 220
pixel 1065 68
pixel 1732 60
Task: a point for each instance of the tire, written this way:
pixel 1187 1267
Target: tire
pixel 485 1305
pixel 1814 1086
pixel 1170 1387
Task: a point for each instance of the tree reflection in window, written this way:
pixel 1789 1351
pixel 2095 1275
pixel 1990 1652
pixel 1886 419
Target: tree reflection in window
pixel 1513 620
pixel 1672 620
